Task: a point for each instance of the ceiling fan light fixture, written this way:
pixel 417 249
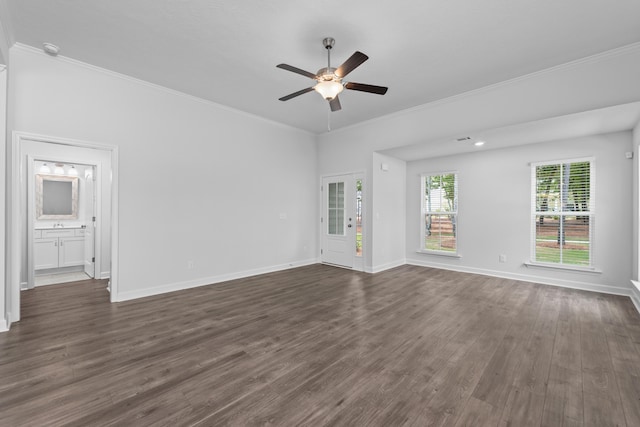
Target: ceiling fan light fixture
pixel 329 89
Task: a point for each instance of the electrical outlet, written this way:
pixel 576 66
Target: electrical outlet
pixel 190 264
pixel 502 258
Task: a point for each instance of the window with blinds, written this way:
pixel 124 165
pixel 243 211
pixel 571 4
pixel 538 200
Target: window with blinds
pixel 439 229
pixel 563 207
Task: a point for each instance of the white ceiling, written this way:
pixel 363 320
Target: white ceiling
pixel 226 51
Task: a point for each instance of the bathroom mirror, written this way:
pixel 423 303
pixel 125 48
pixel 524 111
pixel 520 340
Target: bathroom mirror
pixel 56 197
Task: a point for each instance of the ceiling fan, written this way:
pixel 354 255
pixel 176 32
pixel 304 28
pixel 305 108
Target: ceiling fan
pixel 329 79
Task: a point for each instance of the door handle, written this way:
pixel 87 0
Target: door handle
pixel 349 225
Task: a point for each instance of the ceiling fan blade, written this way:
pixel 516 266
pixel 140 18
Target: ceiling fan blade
pixel 296 70
pixel 294 94
pixel 378 90
pixel 350 64
pixel 335 104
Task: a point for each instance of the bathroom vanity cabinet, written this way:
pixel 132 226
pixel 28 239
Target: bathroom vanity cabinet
pixel 58 247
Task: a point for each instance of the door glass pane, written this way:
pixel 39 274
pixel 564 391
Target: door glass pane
pixel 335 209
pixel 332 195
pixel 332 221
pixel 340 222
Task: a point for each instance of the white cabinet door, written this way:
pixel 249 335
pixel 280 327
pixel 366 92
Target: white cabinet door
pixel 45 253
pixel 71 251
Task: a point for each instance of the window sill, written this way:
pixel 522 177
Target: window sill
pixel 562 267
pixel 438 253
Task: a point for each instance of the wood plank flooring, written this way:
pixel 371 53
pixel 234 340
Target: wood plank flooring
pixel 320 346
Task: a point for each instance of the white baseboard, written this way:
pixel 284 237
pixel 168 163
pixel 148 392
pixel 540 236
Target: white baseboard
pixel 24 286
pixel 573 284
pixel 4 325
pixel 104 275
pixel 383 267
pixel 204 281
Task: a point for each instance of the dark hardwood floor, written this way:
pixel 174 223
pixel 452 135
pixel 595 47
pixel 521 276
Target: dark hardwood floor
pixel 320 346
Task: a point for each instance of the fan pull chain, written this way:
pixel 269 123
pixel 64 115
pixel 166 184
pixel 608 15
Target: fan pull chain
pixel 329 120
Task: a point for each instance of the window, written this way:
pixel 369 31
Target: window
pixel 439 213
pixel 563 212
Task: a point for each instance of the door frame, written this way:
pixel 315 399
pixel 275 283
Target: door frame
pixel 97 184
pixel 358 262
pixel 17 216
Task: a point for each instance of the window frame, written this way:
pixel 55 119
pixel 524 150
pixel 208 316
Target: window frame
pixel 591 213
pixel 423 212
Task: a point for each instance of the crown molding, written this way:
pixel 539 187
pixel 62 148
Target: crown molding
pixel 598 57
pixel 35 51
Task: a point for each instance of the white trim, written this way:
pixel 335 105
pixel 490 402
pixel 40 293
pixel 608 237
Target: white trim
pixel 439 253
pixel 205 281
pixel 387 266
pixel 33 50
pixel 577 269
pixel 4 326
pixel 572 284
pixel 635 294
pixel 563 161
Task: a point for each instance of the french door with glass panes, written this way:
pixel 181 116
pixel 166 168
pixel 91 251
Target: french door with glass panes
pixel 342 221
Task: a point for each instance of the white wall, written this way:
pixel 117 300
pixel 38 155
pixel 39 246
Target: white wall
pixel 197 181
pixel 494 211
pixel 388 213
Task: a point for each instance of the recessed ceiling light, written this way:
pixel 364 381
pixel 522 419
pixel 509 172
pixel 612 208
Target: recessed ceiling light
pixel 478 143
pixel 50 49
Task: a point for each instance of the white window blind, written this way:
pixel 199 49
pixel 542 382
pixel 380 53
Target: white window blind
pixel 563 212
pixel 439 201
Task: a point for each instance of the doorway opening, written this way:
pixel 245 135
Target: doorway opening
pixel 64 225
pixel 98 160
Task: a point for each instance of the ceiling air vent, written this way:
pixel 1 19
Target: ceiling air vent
pixel 464 138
